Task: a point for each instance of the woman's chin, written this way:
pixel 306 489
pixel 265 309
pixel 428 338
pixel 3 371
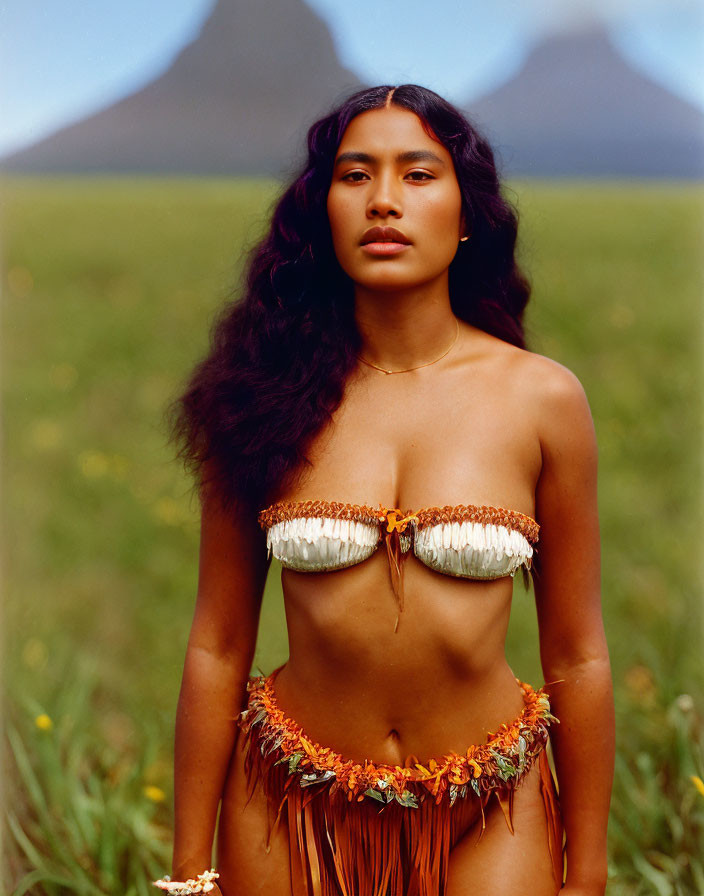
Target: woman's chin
pixel 391 284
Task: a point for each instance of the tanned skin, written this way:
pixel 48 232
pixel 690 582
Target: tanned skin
pixel 488 424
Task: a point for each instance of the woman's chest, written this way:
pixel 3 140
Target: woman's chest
pixel 417 448
pixel 452 485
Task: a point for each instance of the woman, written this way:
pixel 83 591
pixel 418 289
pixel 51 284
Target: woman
pixel 369 414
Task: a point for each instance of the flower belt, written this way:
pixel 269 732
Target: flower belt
pixel 501 762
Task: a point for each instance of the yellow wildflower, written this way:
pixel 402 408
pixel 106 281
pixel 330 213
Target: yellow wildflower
pixel 154 793
pixel 698 783
pixel 43 722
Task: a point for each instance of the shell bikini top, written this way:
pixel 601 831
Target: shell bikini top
pixel 466 540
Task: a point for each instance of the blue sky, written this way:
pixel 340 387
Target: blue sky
pixel 62 59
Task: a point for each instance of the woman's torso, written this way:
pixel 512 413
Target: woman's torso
pixel 465 433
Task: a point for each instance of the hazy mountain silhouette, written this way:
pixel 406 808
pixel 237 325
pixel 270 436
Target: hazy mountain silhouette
pixel 578 108
pixel 239 98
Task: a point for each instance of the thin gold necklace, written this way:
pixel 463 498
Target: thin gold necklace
pixel 406 369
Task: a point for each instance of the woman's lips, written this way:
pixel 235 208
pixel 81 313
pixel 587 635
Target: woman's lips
pixel 383 241
pixel 384 248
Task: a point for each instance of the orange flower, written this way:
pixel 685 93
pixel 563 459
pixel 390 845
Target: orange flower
pixel 476 768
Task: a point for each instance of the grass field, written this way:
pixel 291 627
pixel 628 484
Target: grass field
pixel 109 287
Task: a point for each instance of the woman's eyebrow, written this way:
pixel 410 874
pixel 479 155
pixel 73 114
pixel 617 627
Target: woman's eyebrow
pixel 411 155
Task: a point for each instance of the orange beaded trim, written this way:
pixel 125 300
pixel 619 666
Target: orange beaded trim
pixel 429 516
pixel 486 514
pixel 291 510
pixel 501 762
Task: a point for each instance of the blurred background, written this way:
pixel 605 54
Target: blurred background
pixel 612 87
pixel 141 149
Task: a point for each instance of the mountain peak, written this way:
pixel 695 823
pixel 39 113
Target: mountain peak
pixel 577 107
pixel 222 106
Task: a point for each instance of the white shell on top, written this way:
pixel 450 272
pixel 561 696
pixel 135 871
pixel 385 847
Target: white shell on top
pixel 472 550
pixel 313 544
pixel 467 549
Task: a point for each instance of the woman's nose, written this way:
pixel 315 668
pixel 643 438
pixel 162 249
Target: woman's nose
pixel 384 199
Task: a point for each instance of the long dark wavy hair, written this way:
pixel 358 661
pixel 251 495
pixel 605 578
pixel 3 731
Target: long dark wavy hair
pixel 280 354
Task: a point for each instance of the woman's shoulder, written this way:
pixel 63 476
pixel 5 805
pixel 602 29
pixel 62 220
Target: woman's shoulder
pixel 547 390
pixel 548 379
pixel 559 402
pixel 537 376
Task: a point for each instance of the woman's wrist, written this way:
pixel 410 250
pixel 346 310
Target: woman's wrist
pixel 587 884
pixel 589 866
pixel 191 867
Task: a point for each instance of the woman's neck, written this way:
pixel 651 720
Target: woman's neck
pixel 404 329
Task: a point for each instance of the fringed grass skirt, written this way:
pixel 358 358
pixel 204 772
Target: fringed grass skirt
pixel 368 829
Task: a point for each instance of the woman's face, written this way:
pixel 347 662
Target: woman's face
pixel 390 174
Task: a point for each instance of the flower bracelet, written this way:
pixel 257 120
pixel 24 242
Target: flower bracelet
pixel 201 884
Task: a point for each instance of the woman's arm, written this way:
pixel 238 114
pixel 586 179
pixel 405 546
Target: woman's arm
pixel 232 574
pixel 573 646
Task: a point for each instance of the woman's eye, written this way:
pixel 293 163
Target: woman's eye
pixel 358 176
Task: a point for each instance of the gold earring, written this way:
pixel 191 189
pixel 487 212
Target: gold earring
pixel 463 238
